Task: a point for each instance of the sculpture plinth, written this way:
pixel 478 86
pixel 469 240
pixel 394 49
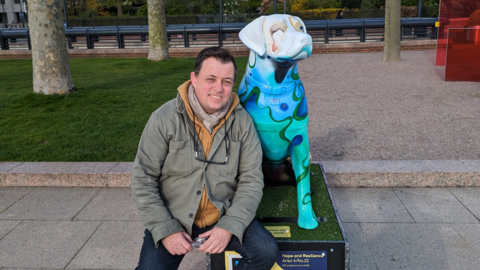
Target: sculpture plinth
pixel 325 247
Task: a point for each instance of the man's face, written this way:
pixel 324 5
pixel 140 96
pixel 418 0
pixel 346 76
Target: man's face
pixel 213 85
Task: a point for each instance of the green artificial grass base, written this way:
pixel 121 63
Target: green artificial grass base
pixel 282 202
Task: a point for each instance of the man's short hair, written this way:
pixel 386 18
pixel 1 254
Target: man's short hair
pixel 222 55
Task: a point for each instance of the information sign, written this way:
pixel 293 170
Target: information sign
pixel 293 260
pixel 279 231
pixel 287 260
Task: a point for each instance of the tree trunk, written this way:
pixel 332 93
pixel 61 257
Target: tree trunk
pixel 120 11
pixel 157 31
pixel 51 69
pixel 391 42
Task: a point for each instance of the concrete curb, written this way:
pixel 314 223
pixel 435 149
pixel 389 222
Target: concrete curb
pixel 65 174
pixel 376 173
pixel 403 173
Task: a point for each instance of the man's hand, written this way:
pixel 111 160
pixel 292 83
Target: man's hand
pixel 217 241
pixel 178 243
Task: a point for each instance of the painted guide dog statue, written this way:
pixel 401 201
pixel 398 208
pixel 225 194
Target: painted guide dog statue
pixel 272 92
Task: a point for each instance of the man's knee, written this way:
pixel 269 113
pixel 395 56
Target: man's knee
pixel 270 252
pixel 267 251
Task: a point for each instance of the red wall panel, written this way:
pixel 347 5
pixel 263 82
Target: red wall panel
pixel 463 55
pixel 453 14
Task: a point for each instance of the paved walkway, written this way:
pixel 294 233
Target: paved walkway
pixel 97 228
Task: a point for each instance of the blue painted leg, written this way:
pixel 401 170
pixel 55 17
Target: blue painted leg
pixel 301 165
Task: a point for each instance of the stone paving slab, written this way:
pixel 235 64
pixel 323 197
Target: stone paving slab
pixel 114 245
pixel 360 256
pixel 387 244
pixel 6 226
pixel 378 166
pixel 27 268
pixel 6 166
pixel 473 163
pixel 117 245
pixel 370 205
pixel 110 204
pixel 434 205
pixel 471 234
pixel 418 246
pixel 44 244
pixel 469 197
pixel 9 195
pixel 49 203
pixel 451 165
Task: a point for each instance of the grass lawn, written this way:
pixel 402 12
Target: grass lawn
pixel 101 121
pixel 282 202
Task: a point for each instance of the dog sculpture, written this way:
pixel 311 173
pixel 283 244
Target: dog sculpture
pixel 272 92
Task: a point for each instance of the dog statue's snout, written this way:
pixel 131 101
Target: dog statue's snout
pixel 300 47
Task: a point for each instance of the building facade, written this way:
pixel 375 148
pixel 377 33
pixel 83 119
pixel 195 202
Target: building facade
pixel 13 12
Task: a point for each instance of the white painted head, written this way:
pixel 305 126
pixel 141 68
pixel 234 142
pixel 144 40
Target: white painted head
pixel 282 37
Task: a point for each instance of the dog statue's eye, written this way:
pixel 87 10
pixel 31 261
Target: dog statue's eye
pixel 296 24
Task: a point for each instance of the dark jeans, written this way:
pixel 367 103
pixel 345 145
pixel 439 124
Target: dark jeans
pixel 259 250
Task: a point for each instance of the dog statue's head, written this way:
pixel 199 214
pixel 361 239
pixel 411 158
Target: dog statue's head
pixel 282 37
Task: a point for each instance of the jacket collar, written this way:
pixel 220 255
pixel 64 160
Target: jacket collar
pixel 183 107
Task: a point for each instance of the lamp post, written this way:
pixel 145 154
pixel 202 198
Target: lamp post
pixel 221 11
pixel 24 11
pixel 69 40
pixel 25 8
pixel 3 14
pixel 65 12
pixel 419 8
pixel 22 14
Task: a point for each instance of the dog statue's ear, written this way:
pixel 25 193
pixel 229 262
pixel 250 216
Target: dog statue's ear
pixel 252 36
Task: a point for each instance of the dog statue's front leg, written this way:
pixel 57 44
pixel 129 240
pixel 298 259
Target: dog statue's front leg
pixel 300 156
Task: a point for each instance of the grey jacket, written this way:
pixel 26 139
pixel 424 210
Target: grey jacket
pixel 167 180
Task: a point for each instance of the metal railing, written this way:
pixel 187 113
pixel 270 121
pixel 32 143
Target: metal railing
pixel 322 31
pixel 14 25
